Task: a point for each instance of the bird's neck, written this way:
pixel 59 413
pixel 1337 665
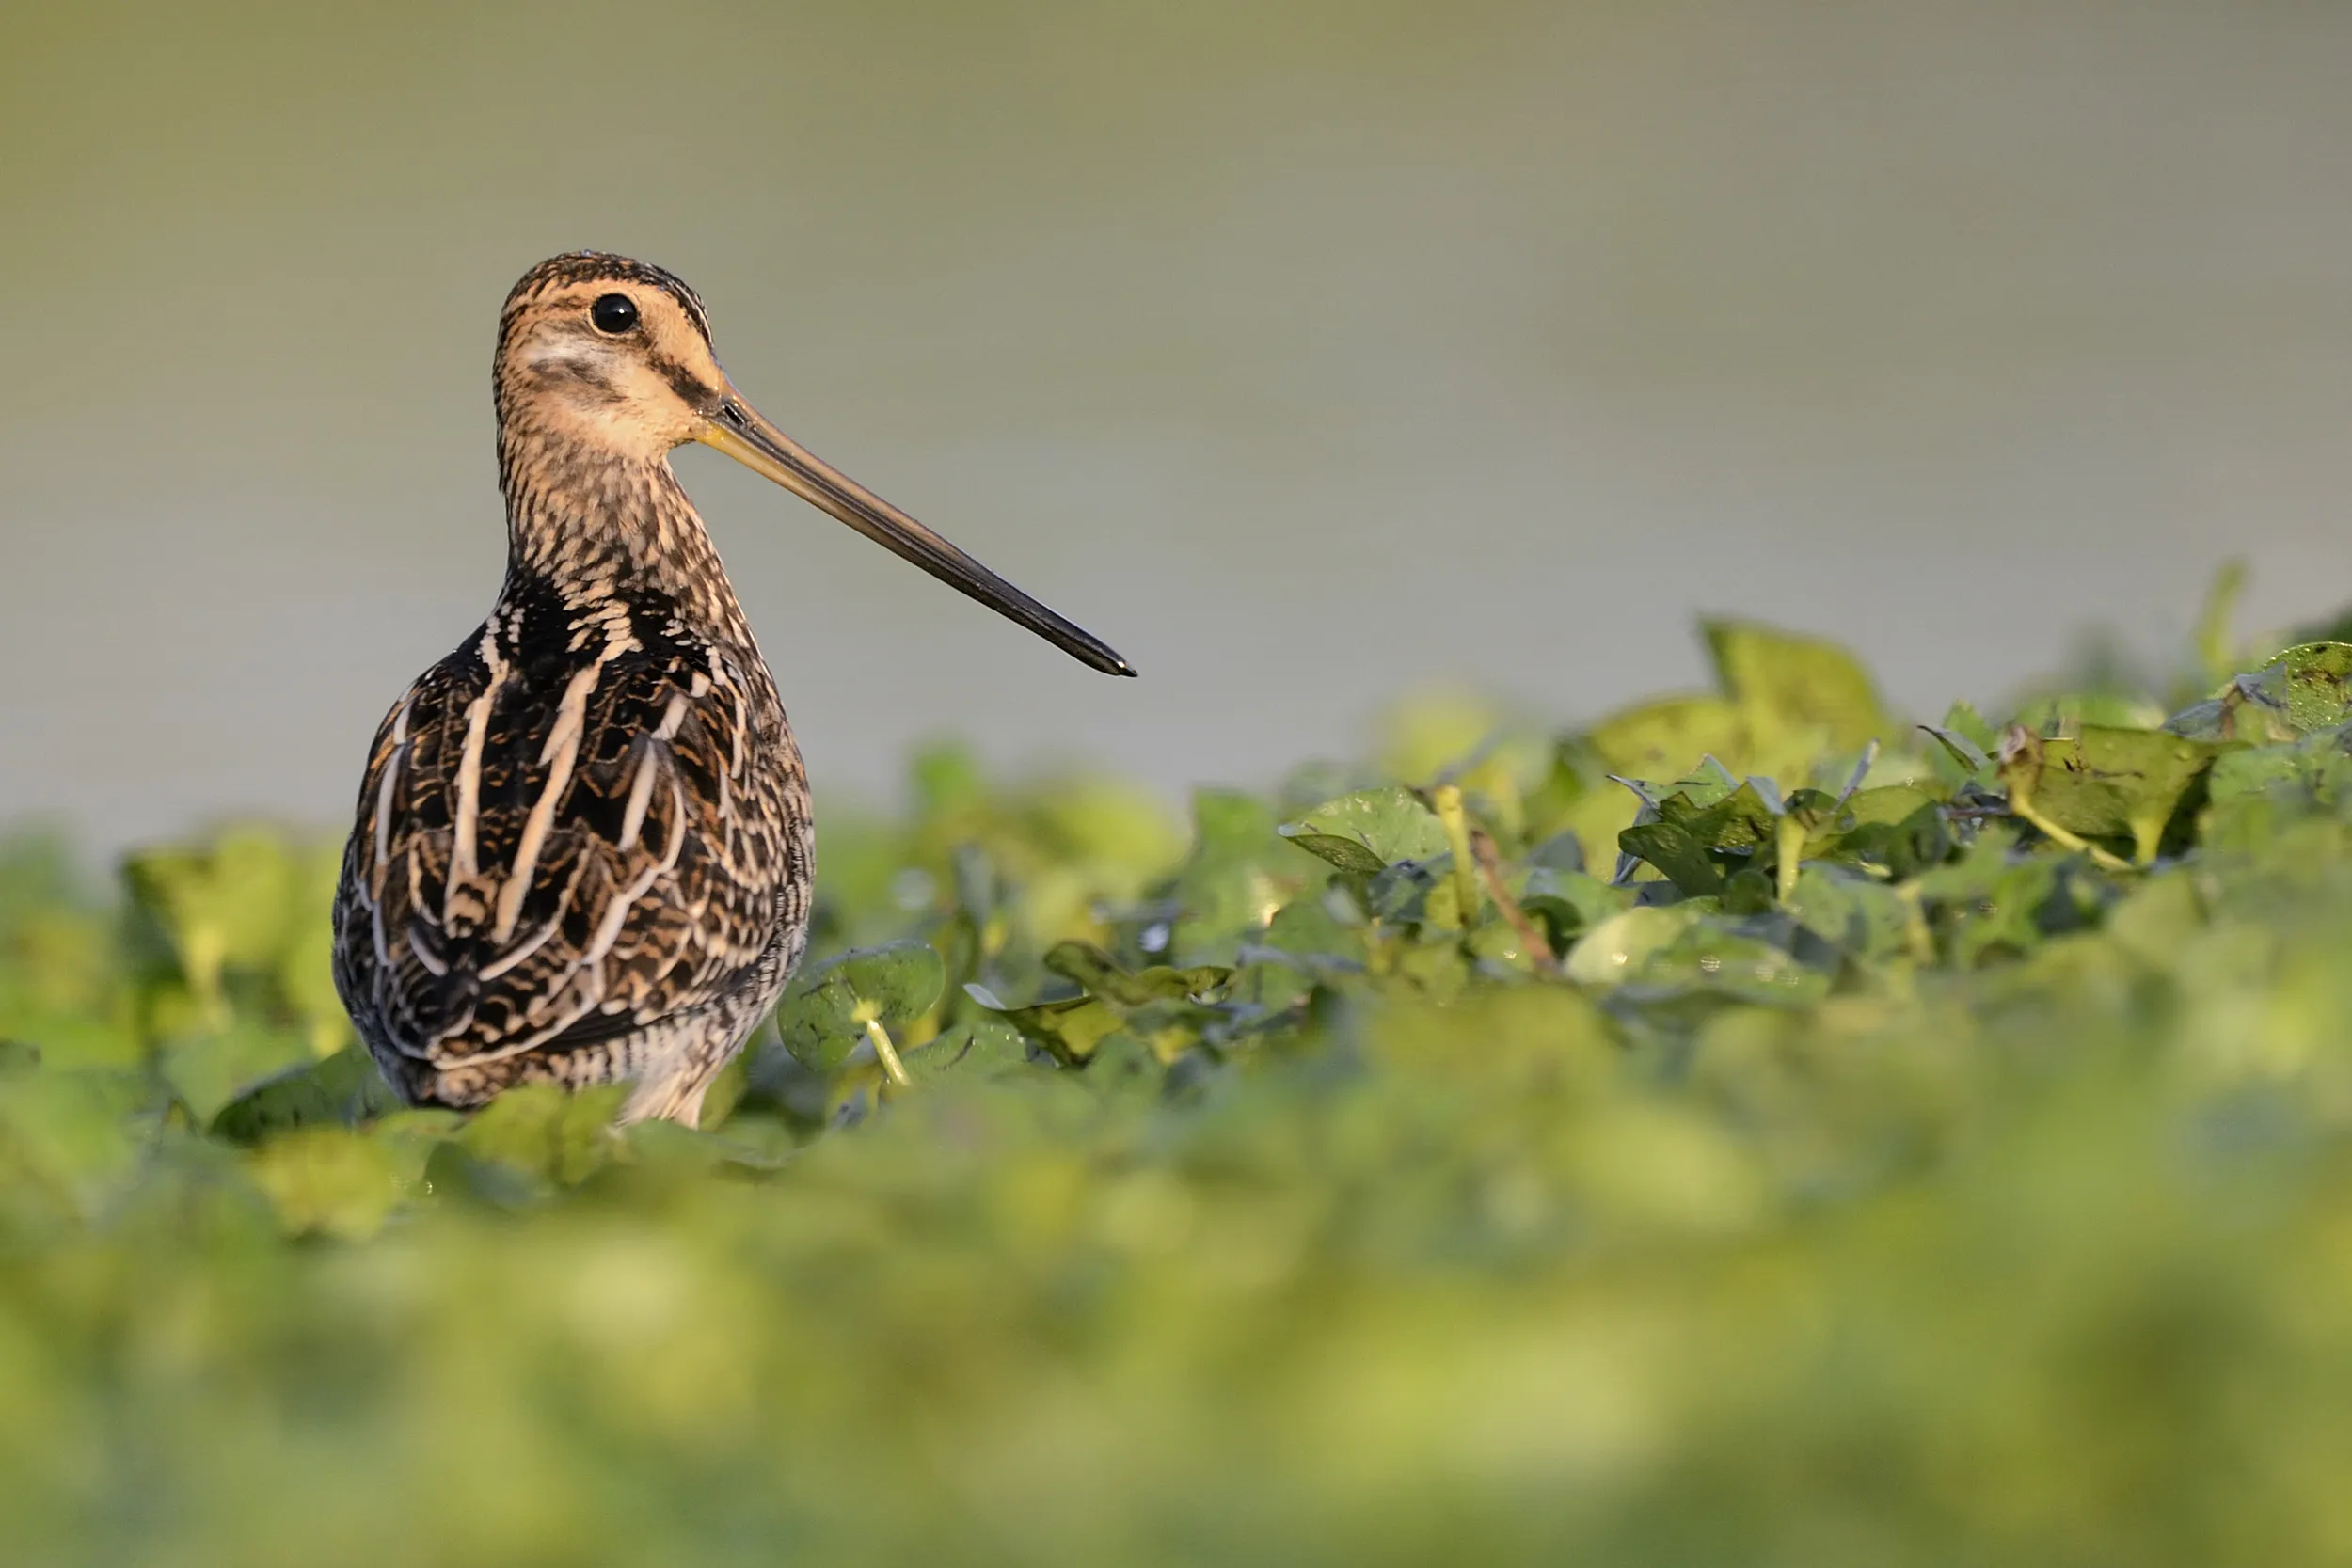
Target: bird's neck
pixel 595 527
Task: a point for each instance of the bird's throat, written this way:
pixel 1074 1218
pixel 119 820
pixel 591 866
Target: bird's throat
pixel 592 526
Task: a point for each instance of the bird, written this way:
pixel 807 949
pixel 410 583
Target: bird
pixel 583 851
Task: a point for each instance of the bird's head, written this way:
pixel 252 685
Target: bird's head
pixel 609 360
pixel 607 354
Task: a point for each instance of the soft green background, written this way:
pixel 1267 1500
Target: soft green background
pixel 1304 350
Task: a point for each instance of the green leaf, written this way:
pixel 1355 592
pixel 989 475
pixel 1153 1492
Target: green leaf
pixel 208 1070
pixel 1799 681
pixel 1989 902
pixel 2305 688
pixel 2215 650
pixel 344 1090
pixel 1734 818
pixel 1570 902
pixel 2317 679
pixel 1898 828
pixel 1857 914
pixel 1965 744
pixel 2159 918
pixel 2275 772
pixel 543 1134
pixel 1708 957
pixel 2066 712
pixel 823 1015
pixel 1617 949
pixel 230 904
pixel 2106 783
pixel 975 1048
pixel 1675 852
pixel 1416 893
pixel 1159 1007
pixel 1305 932
pixel 2315 772
pixel 1070 1030
pixel 1660 739
pixel 67 1138
pixel 1369 831
pixel 1237 875
pixel 328 1180
pixel 304 970
pixel 1086 965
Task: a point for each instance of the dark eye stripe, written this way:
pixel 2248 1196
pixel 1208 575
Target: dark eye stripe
pixel 685 384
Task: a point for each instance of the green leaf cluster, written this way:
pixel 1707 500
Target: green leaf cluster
pixel 1744 1129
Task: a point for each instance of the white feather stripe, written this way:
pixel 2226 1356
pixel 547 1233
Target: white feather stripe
pixel 640 795
pixel 672 717
pixel 464 865
pixel 616 913
pixel 433 965
pixel 384 795
pixel 561 754
pixel 739 712
pixel 592 986
pixel 523 950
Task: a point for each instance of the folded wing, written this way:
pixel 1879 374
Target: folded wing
pixel 557 848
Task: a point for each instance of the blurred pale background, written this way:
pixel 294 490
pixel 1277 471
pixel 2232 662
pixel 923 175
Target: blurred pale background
pixel 1306 351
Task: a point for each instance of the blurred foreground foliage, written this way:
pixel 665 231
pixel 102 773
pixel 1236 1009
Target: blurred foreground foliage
pixel 1748 1130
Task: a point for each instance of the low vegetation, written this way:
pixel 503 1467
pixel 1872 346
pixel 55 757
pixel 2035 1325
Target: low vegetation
pixel 1748 1130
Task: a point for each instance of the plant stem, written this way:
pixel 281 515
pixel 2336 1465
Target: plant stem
pixel 1447 802
pixel 1532 940
pixel 888 1053
pixel 1788 836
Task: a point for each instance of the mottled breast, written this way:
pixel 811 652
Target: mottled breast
pixel 588 818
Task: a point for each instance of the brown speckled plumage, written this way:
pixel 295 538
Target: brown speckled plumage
pixel 584 850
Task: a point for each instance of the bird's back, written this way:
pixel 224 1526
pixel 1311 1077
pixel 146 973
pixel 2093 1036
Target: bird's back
pixel 580 837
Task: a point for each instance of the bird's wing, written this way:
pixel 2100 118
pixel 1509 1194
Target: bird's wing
pixel 559 846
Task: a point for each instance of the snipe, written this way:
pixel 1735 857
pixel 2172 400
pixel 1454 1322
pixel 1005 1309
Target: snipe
pixel 583 851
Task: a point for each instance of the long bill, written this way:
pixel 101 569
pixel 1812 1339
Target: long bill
pixel 743 433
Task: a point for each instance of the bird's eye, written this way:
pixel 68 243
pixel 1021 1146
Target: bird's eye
pixel 614 314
